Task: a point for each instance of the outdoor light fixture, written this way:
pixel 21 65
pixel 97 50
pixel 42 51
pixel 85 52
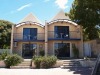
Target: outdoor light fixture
pixel 15 44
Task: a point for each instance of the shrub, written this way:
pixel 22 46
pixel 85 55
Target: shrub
pixel 12 60
pixel 3 55
pixel 45 62
pixel 75 51
pixel 37 61
pixel 41 52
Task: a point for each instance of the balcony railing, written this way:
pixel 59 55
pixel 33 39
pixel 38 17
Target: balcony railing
pixel 70 35
pixel 21 37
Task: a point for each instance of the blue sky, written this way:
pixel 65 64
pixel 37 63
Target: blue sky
pixel 16 10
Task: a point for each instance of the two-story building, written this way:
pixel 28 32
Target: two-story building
pixel 55 37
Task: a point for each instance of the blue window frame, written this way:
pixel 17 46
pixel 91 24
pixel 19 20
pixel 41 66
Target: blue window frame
pixel 30 33
pixel 61 31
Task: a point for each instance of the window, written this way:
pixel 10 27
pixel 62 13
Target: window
pixel 30 33
pixel 61 31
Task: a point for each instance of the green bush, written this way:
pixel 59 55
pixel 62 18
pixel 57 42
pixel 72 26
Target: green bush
pixel 12 60
pixel 3 55
pixel 75 51
pixel 45 62
pixel 41 53
pixel 37 61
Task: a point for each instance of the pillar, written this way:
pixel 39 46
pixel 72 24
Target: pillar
pixel 46 39
pixel 11 46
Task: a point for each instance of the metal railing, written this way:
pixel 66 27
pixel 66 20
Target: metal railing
pixel 70 35
pixel 20 36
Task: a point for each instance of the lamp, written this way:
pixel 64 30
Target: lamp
pixel 15 44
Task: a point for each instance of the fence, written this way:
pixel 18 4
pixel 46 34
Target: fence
pixel 92 47
pixel 3 50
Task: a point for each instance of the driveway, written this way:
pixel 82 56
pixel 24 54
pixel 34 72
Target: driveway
pixel 52 71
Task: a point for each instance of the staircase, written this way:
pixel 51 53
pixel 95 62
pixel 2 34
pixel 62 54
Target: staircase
pixel 71 64
pixel 26 64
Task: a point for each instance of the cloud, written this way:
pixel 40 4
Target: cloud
pixel 24 6
pixel 61 3
pixel 46 0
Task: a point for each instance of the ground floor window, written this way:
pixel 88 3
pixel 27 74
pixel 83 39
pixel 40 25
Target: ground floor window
pixel 62 49
pixel 29 50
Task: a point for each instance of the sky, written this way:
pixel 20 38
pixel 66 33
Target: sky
pixel 15 10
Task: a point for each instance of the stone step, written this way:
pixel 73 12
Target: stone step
pixel 71 67
pixel 20 67
pixel 26 62
pixel 69 61
pixel 23 65
pixel 70 64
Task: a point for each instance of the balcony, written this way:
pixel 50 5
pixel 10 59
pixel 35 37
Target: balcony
pixel 25 38
pixel 72 35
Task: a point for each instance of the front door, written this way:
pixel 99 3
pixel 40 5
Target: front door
pixel 28 50
pixel 62 50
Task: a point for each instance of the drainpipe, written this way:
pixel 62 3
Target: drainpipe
pixel 46 38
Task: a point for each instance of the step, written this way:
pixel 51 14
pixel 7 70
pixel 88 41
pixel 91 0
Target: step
pixel 71 67
pixel 26 62
pixel 23 65
pixel 20 67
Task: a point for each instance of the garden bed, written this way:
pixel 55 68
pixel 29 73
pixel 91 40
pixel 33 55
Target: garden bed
pixel 2 64
pixel 58 64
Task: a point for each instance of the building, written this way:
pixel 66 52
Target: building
pixel 55 37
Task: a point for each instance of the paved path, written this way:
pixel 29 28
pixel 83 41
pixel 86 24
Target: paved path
pixel 53 71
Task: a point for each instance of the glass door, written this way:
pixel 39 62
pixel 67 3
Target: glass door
pixel 30 33
pixel 62 50
pixel 61 31
pixel 28 50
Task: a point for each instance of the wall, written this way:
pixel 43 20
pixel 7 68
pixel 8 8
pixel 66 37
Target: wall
pixel 95 46
pixel 77 43
pixel 18 49
pixel 19 30
pixel 72 28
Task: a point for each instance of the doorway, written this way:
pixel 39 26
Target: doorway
pixel 62 50
pixel 29 50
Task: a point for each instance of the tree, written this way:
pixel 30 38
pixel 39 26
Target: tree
pixel 87 14
pixel 5 34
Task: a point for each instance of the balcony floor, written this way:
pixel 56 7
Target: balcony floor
pixel 18 40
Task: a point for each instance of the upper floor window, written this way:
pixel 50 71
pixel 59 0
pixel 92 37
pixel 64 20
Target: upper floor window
pixel 61 31
pixel 30 33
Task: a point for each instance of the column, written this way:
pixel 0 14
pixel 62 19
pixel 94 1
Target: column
pixel 81 42
pixel 46 39
pixel 11 46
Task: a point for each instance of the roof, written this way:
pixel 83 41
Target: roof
pixel 60 15
pixel 31 17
